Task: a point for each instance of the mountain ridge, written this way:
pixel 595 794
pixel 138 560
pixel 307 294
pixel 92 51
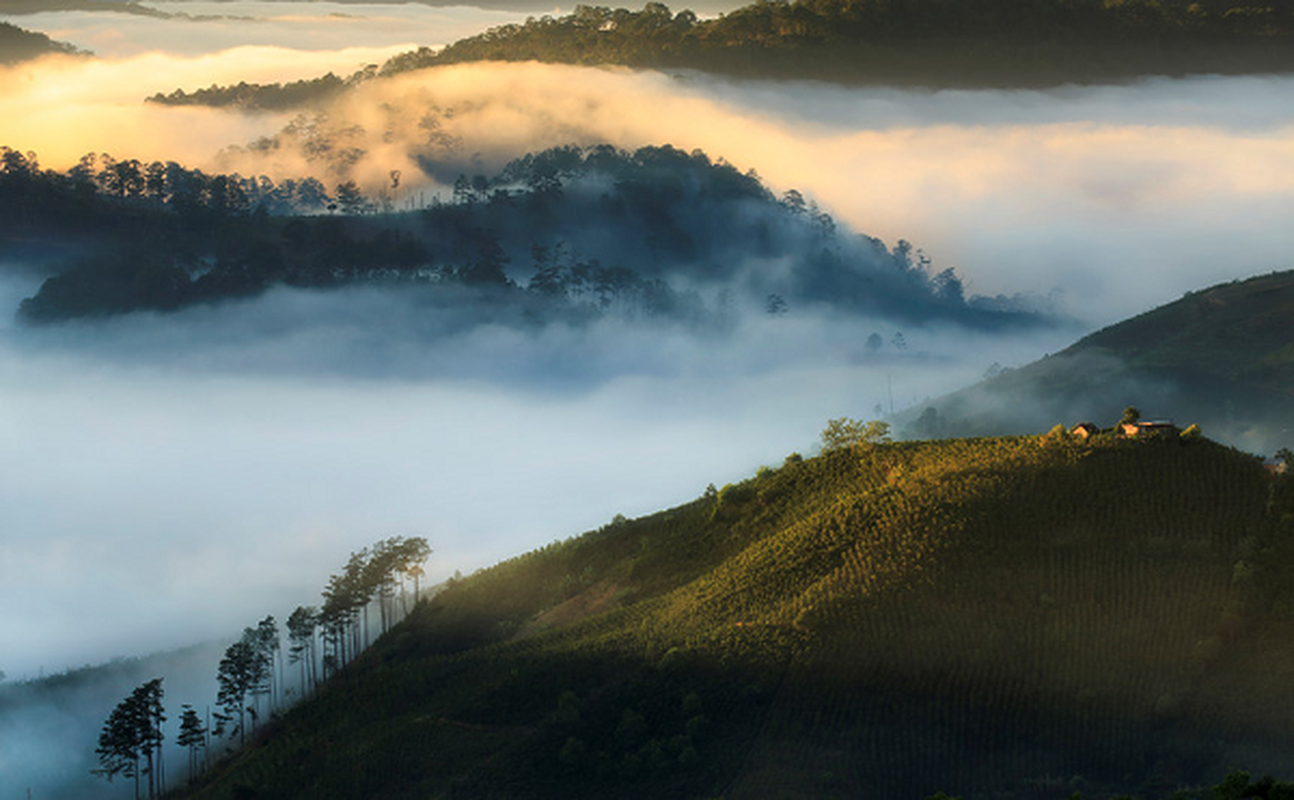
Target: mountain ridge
pixel 1222 356
pixel 921 43
pixel 885 620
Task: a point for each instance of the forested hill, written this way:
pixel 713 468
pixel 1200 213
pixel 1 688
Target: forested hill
pixel 570 234
pixel 1017 618
pixel 1223 356
pixel 17 44
pixel 929 42
pixel 968 43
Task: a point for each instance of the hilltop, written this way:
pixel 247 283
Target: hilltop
pixel 18 44
pixel 565 235
pixel 925 43
pixel 1020 616
pixel 1222 356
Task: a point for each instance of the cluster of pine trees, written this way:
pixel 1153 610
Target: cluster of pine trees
pixel 642 235
pixel 102 190
pixel 1029 616
pixel 250 675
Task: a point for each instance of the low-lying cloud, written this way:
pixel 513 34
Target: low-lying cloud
pixel 199 28
pixel 1079 190
pixel 1073 190
pixel 188 481
pixel 171 478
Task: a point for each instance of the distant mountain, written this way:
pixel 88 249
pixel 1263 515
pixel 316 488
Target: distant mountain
pixel 1000 43
pixel 1015 618
pixel 933 43
pixel 1222 357
pixel 17 45
pixel 42 6
pixel 564 235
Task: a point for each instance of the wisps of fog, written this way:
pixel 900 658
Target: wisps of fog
pixel 1119 198
pixel 169 479
pixel 49 727
pixel 199 28
pixel 196 470
pixel 62 108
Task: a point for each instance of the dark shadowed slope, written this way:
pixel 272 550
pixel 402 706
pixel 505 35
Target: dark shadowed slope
pixel 979 43
pixel 17 44
pixel 1222 357
pixel 566 234
pixel 886 621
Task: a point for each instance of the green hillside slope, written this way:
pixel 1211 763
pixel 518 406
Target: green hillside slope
pixel 1222 357
pixel 889 621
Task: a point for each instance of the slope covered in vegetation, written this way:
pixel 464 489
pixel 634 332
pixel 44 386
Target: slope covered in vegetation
pixel 925 42
pixel 1007 615
pixel 997 43
pixel 1223 356
pixel 568 234
pixel 17 44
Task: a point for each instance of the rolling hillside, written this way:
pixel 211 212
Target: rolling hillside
pixel 1008 615
pixel 1222 357
pixel 930 43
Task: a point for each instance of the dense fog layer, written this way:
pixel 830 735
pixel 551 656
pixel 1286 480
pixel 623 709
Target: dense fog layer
pixel 1111 198
pixel 193 471
pixel 1118 198
pixel 199 28
pixel 173 478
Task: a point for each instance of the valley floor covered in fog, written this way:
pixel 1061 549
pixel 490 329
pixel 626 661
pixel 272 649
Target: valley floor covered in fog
pixel 170 478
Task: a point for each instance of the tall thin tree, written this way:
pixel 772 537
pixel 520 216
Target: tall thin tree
pixel 302 624
pixel 193 736
pixel 133 733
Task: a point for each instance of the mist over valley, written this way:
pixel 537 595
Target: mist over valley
pixel 598 291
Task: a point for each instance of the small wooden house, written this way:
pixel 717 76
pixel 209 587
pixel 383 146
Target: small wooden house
pixel 1154 427
pixel 1084 430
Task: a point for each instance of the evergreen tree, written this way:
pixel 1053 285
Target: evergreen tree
pixel 133 733
pixel 414 551
pixel 240 676
pixel 193 735
pixel 302 624
pixel 269 644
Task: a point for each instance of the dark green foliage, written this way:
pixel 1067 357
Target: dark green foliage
pixel 242 675
pixel 993 42
pixel 18 45
pixel 192 737
pixel 1222 357
pixel 259 97
pixel 923 42
pixel 655 227
pixel 130 744
pixel 979 616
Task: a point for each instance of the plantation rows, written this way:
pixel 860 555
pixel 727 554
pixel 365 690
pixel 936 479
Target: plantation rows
pixel 1035 617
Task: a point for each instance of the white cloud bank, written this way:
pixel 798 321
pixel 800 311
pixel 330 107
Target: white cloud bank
pixel 148 503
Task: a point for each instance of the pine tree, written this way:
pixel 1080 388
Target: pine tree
pixel 302 624
pixel 268 644
pixel 240 675
pixel 133 732
pixel 193 735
